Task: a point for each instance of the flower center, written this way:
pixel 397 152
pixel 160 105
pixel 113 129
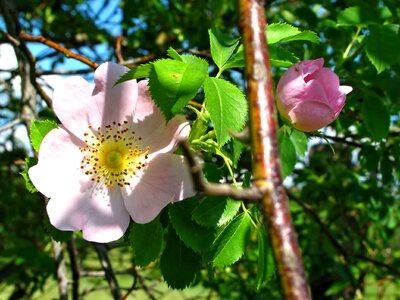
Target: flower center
pixel 114 159
pixel 113 154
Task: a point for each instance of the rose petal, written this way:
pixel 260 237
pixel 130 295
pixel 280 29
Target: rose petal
pixel 345 89
pixel 98 212
pixel 329 80
pixel 59 161
pixel 78 103
pixel 311 115
pixel 166 179
pixel 310 67
pixel 150 124
pixel 293 92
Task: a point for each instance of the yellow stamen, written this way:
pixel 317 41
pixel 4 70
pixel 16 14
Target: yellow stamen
pixel 113 154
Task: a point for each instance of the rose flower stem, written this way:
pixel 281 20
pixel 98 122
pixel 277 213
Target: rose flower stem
pixel 266 166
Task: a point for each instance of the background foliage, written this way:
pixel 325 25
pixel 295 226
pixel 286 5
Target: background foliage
pixel 345 203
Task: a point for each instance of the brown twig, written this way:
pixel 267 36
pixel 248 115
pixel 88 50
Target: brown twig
pixel 266 161
pixel 58 47
pixel 195 104
pixel 118 49
pixel 215 189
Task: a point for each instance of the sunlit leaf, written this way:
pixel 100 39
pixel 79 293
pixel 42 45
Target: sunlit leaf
pixel 39 129
pixel 231 243
pixel 173 83
pixel 227 106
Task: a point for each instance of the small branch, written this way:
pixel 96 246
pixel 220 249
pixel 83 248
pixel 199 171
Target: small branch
pixel 215 189
pixel 73 257
pixel 92 273
pixel 118 49
pixel 332 239
pixel 61 270
pixel 196 104
pixel 59 48
pixel 107 267
pixel 145 288
pixel 343 140
pixel 32 68
pixel 11 124
pixel 346 255
pixel 64 72
pixel 243 136
pixel 377 263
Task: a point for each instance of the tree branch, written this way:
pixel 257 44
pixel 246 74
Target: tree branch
pixel 266 161
pixel 11 124
pixel 59 48
pixel 215 189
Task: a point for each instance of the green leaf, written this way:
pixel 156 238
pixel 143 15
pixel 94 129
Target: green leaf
pixel 230 244
pixel 281 57
pixel 222 46
pixel 266 263
pixel 376 117
pixel 287 153
pixel 57 235
pixel 192 234
pixel 173 83
pixel 356 16
pixel 146 241
pixel 29 162
pixel 216 211
pixel 237 149
pixel 337 287
pixel 179 264
pixel 39 129
pixel 173 54
pixel 141 71
pixel 237 60
pixel 382 47
pixel 300 142
pixel 283 32
pixel 227 107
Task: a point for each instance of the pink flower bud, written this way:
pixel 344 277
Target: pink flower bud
pixel 310 96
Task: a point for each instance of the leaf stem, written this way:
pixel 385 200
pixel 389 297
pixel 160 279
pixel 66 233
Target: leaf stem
pixel 350 45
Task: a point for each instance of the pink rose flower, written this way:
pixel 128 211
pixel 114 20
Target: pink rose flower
pixel 111 158
pixel 310 96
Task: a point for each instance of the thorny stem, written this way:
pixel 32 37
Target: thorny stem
pixel 266 162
